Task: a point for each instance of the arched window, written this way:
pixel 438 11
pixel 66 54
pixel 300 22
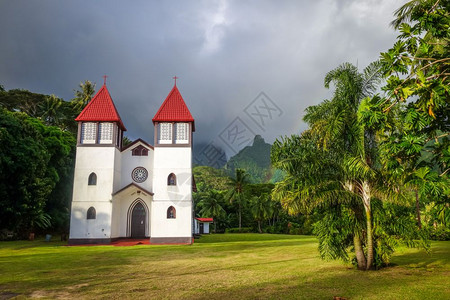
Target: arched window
pixel 139 151
pixel 172 179
pixel 171 213
pixel 91 214
pixel 92 179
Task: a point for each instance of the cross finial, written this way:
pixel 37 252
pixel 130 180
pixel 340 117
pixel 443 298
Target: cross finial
pixel 104 79
pixel 175 77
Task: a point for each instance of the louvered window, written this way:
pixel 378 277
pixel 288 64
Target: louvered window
pixel 165 133
pixel 182 133
pixel 106 133
pixel 88 133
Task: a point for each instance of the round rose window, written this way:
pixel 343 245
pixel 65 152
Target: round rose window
pixel 139 174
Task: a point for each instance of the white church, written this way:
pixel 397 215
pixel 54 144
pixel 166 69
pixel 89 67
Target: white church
pixel 136 191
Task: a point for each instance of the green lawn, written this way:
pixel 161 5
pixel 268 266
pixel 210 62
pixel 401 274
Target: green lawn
pixel 230 266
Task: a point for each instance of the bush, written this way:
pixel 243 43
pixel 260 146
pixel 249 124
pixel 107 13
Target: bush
pixel 7 235
pixel 236 230
pixel 440 233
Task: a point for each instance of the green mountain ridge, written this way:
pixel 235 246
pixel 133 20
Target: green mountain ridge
pixel 254 159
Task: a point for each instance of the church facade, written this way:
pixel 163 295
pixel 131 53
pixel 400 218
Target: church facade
pixel 136 191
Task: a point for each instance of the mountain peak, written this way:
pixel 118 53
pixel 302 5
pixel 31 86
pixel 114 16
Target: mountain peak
pixel 254 159
pixel 258 140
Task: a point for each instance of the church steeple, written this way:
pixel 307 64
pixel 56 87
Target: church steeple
pixel 101 109
pixel 174 109
pixel 99 122
pixel 173 122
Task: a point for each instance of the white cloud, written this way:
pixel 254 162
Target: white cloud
pixel 215 23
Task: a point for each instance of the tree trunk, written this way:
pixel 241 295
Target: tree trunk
pixel 240 216
pixel 215 227
pixel 419 222
pixel 259 226
pixel 368 209
pixel 360 257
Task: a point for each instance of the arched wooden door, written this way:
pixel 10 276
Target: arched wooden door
pixel 138 217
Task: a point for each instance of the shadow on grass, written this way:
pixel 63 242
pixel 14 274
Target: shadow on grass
pixel 438 257
pixel 249 237
pixel 332 281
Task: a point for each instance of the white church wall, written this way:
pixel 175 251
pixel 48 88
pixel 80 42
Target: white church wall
pixel 117 169
pixel 181 226
pixel 98 160
pixel 115 217
pixel 169 160
pixel 83 228
pixel 175 160
pixel 129 162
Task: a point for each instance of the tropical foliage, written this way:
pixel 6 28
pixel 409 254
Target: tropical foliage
pixel 334 167
pixel 36 163
pixel 214 191
pixel 370 164
pixel 37 151
pixel 210 205
pixel 413 118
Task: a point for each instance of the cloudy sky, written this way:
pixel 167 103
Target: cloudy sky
pixel 245 65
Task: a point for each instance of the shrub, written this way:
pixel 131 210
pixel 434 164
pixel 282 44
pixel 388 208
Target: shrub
pixel 236 230
pixel 440 233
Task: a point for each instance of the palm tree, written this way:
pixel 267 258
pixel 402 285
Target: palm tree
pixel 343 125
pixel 236 191
pixel 262 209
pixel 83 95
pixel 210 206
pixel 51 112
pixel 333 163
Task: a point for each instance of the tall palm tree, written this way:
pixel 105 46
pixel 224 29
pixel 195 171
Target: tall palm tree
pixel 210 206
pixel 262 209
pixel 236 191
pixel 339 153
pixel 343 126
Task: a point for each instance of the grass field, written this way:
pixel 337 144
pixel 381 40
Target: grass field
pixel 230 266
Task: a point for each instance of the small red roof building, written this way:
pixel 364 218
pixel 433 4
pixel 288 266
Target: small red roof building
pixel 205 219
pixel 174 109
pixel 101 109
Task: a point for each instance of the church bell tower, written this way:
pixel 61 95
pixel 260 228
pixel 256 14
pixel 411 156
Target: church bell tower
pixel 97 170
pixel 172 200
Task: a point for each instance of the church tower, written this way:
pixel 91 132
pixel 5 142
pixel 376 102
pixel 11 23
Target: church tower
pixel 97 170
pixel 172 176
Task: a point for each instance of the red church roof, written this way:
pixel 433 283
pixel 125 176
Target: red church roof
pixel 101 109
pixel 174 109
pixel 205 219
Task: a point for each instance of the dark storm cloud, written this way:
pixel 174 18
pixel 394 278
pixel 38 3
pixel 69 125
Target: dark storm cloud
pixel 225 53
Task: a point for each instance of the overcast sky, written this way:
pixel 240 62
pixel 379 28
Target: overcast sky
pixel 225 54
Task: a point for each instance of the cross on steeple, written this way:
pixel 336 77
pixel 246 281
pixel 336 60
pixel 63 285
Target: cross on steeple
pixel 104 79
pixel 175 77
